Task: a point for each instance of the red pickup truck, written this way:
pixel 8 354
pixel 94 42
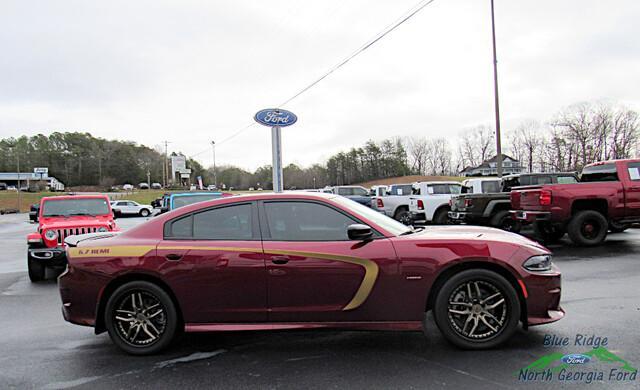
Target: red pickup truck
pixel 607 198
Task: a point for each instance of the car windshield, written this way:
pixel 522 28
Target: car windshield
pixel 69 207
pixel 180 201
pixel 391 225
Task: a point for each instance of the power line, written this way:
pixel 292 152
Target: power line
pixel 417 8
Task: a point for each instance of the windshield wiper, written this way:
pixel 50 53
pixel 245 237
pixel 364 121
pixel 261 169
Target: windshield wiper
pixel 55 215
pixel 88 214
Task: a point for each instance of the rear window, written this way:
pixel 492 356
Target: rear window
pixel 401 190
pixel 489 187
pixel 602 172
pixel 634 171
pixel 567 179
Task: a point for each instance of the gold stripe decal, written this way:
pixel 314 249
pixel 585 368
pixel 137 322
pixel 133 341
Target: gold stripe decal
pixel 370 274
pixel 112 251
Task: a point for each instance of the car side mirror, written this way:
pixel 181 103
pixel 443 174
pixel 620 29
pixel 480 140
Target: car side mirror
pixel 359 232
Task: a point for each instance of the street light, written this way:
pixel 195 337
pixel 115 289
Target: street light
pixel 215 174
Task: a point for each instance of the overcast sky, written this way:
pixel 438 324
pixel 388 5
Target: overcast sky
pixel 194 71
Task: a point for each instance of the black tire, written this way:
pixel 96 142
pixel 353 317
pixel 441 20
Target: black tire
pixel 404 216
pixel 36 270
pixel 500 328
pixel 441 217
pixel 587 228
pixel 547 232
pixel 503 220
pixel 144 213
pixel 162 326
pixel 617 228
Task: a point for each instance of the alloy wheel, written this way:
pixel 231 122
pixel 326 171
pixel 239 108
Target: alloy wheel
pixel 140 318
pixel 477 310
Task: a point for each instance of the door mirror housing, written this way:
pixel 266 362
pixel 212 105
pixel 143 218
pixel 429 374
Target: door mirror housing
pixel 359 232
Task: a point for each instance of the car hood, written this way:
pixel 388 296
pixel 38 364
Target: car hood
pixel 473 233
pixel 75 221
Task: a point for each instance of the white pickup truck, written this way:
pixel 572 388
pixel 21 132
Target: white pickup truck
pixel 430 202
pixel 394 202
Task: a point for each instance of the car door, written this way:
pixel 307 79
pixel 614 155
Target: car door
pixel 315 273
pixel 632 191
pixel 220 253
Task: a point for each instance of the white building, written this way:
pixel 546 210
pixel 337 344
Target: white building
pixel 490 167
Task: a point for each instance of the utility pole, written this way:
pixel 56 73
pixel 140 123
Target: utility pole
pixel 215 173
pixel 495 85
pixel 165 166
pixel 19 186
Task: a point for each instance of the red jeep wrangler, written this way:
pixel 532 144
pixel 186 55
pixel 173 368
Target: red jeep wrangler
pixel 60 217
pixel 607 198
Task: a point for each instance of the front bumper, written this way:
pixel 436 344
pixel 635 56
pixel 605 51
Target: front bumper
pixel 50 257
pixel 530 216
pixel 543 297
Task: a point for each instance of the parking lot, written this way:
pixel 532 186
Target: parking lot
pixel 41 350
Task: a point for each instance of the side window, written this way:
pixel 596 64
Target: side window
pixel 360 192
pixel 566 180
pixel 490 187
pixel 121 204
pixel 180 228
pixel 305 221
pixel 345 191
pixel 634 171
pixel 600 172
pixel 542 180
pixel 439 189
pixel 225 223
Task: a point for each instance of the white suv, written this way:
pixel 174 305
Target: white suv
pixel 129 207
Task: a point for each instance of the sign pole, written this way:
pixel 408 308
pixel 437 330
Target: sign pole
pixel 276 152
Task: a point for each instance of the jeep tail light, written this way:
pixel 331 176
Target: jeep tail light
pixel 467 203
pixel 545 198
pixel 380 203
pixel 420 204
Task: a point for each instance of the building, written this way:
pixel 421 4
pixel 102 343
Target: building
pixel 30 179
pixel 490 167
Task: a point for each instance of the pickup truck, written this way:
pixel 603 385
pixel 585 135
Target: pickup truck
pixel 606 198
pixel 395 203
pixel 430 201
pixel 491 208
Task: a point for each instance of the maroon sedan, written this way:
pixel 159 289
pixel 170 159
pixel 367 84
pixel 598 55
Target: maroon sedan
pixel 301 261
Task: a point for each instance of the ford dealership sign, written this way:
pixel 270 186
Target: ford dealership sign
pixel 273 117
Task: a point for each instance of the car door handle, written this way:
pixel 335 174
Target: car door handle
pixel 173 257
pixel 280 259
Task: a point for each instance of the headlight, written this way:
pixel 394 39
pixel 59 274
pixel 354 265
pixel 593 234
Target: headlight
pixel 50 235
pixel 538 263
pixel 102 229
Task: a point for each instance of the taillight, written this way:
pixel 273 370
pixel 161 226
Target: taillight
pixel 545 198
pixel 420 204
pixel 380 203
pixel 467 203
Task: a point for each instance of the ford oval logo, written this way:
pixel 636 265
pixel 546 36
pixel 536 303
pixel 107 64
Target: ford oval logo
pixel 275 117
pixel 576 358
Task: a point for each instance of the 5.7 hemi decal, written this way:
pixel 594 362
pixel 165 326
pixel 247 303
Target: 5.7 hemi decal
pixel 114 251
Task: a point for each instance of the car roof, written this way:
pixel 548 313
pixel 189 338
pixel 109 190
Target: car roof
pixel 83 196
pixel 196 193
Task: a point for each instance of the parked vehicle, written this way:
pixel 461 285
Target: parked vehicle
pixel 3 186
pixel 127 187
pixel 430 201
pixel 395 203
pixel 174 201
pixel 156 186
pixel 493 209
pixel 129 207
pixel 606 198
pixel 302 260
pixel 356 193
pixel 379 190
pixel 34 209
pixel 60 217
pixel 143 186
pixel 211 187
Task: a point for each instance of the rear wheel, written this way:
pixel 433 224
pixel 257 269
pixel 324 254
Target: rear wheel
pixel 503 220
pixel 403 216
pixel 141 318
pixel 477 309
pixel 36 270
pixel 144 213
pixel 588 228
pixel 441 217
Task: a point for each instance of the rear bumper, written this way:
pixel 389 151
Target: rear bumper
pixel 530 216
pixel 418 217
pixel 51 257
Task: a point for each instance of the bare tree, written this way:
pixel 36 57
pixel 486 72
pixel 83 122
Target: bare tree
pixel 417 150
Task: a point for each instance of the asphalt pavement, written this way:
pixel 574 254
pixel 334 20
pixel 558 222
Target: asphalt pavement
pixel 41 351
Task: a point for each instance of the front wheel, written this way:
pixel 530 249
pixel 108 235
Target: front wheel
pixel 144 213
pixel 588 228
pixel 141 318
pixel 477 309
pixel 36 270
